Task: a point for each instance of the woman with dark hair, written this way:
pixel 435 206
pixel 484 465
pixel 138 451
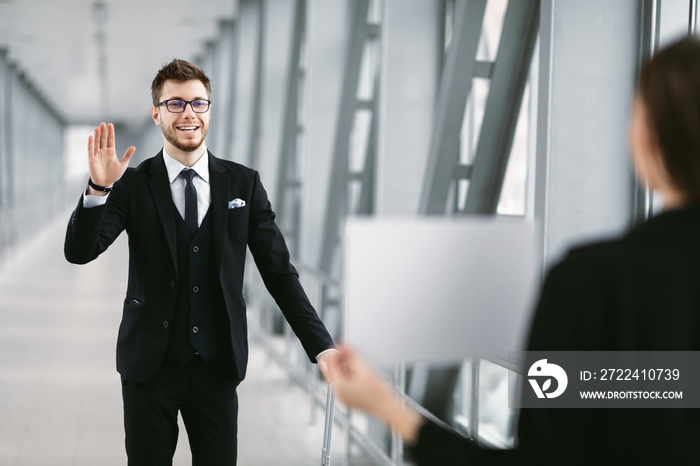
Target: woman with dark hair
pixel 637 293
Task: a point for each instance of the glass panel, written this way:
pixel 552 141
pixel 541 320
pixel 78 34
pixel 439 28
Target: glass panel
pixel 75 152
pixel 512 201
pixel 449 22
pixel 473 117
pixel 495 418
pixel 491 30
pixel 462 192
pixel 358 140
pixel 368 70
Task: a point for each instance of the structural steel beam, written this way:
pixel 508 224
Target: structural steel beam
pixel 256 104
pixel 7 195
pixel 337 190
pixel 230 32
pixel 692 17
pixel 455 85
pixel 365 205
pixel 642 201
pixel 287 194
pixel 4 132
pixel 510 75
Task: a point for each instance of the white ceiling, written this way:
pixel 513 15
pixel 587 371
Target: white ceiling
pixel 54 43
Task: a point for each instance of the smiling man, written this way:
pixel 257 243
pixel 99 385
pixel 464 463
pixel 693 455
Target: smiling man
pixel 182 345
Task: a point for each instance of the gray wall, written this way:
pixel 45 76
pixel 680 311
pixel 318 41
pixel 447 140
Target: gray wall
pixel 32 185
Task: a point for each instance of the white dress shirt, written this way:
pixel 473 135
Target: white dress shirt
pixel 201 184
pixel 177 186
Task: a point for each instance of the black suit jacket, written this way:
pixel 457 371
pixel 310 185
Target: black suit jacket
pixel 641 292
pixel 141 204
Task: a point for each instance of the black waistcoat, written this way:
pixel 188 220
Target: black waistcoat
pixel 200 322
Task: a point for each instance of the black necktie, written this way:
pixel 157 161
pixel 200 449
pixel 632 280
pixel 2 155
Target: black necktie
pixel 191 218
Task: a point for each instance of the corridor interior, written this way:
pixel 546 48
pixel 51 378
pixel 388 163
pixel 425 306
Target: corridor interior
pixel 60 395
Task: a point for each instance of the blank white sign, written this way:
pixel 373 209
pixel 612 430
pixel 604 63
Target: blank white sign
pixel 438 290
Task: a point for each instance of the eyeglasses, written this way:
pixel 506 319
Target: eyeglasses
pixel 178 105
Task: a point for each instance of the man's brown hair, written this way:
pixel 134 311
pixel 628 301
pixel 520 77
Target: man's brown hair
pixel 178 70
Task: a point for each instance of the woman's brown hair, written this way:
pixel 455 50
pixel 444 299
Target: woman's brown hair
pixel 669 87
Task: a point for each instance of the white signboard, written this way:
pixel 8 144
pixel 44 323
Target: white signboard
pixel 438 290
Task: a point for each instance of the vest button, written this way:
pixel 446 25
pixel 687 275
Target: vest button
pixel 165 324
pixel 172 284
pixel 195 249
pixel 195 289
pixel 195 329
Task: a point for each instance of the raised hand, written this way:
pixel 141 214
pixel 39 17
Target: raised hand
pixel 105 167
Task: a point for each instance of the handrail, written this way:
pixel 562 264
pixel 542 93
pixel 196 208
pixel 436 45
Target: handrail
pixel 318 398
pixel 304 377
pixel 323 277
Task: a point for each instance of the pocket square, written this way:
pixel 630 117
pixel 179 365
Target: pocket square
pixel 236 203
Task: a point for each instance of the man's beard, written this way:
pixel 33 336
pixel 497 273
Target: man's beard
pixel 189 145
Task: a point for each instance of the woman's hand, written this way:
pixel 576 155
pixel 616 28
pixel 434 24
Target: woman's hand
pixel 360 387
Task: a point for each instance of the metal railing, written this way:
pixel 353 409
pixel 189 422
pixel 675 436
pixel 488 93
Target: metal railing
pixel 288 353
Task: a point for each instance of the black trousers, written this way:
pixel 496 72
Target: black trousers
pixel 206 396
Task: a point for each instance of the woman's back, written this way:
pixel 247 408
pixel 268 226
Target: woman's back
pixel 639 293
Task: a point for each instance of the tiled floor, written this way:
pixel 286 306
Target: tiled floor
pixel 60 396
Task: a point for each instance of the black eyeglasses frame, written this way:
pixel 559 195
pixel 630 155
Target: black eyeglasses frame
pixel 185 106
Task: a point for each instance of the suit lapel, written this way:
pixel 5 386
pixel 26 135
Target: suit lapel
pixel 159 185
pixel 219 180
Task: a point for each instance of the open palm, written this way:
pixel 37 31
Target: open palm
pixel 105 167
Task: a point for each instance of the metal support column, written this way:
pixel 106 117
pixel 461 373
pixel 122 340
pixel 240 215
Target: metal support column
pixel 4 127
pixel 230 36
pixel 253 150
pixel 5 155
pixel 412 52
pixel 223 76
pixel 583 169
pixel 455 85
pixel 693 17
pixel 211 63
pixel 336 204
pixel 510 74
pixel 289 184
pixel 642 197
pixel 9 227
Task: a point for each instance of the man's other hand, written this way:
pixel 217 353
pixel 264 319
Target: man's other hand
pixel 326 361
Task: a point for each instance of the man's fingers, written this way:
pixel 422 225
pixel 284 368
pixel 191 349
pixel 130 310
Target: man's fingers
pixel 97 138
pixel 110 135
pixel 103 136
pixel 325 364
pixel 90 146
pixel 127 155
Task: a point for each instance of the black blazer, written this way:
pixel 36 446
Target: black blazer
pixel 141 204
pixel 641 292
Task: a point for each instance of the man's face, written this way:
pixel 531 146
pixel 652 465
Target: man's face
pixel 184 131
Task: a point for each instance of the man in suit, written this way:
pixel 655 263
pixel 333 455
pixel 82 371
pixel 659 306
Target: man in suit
pixel 182 344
